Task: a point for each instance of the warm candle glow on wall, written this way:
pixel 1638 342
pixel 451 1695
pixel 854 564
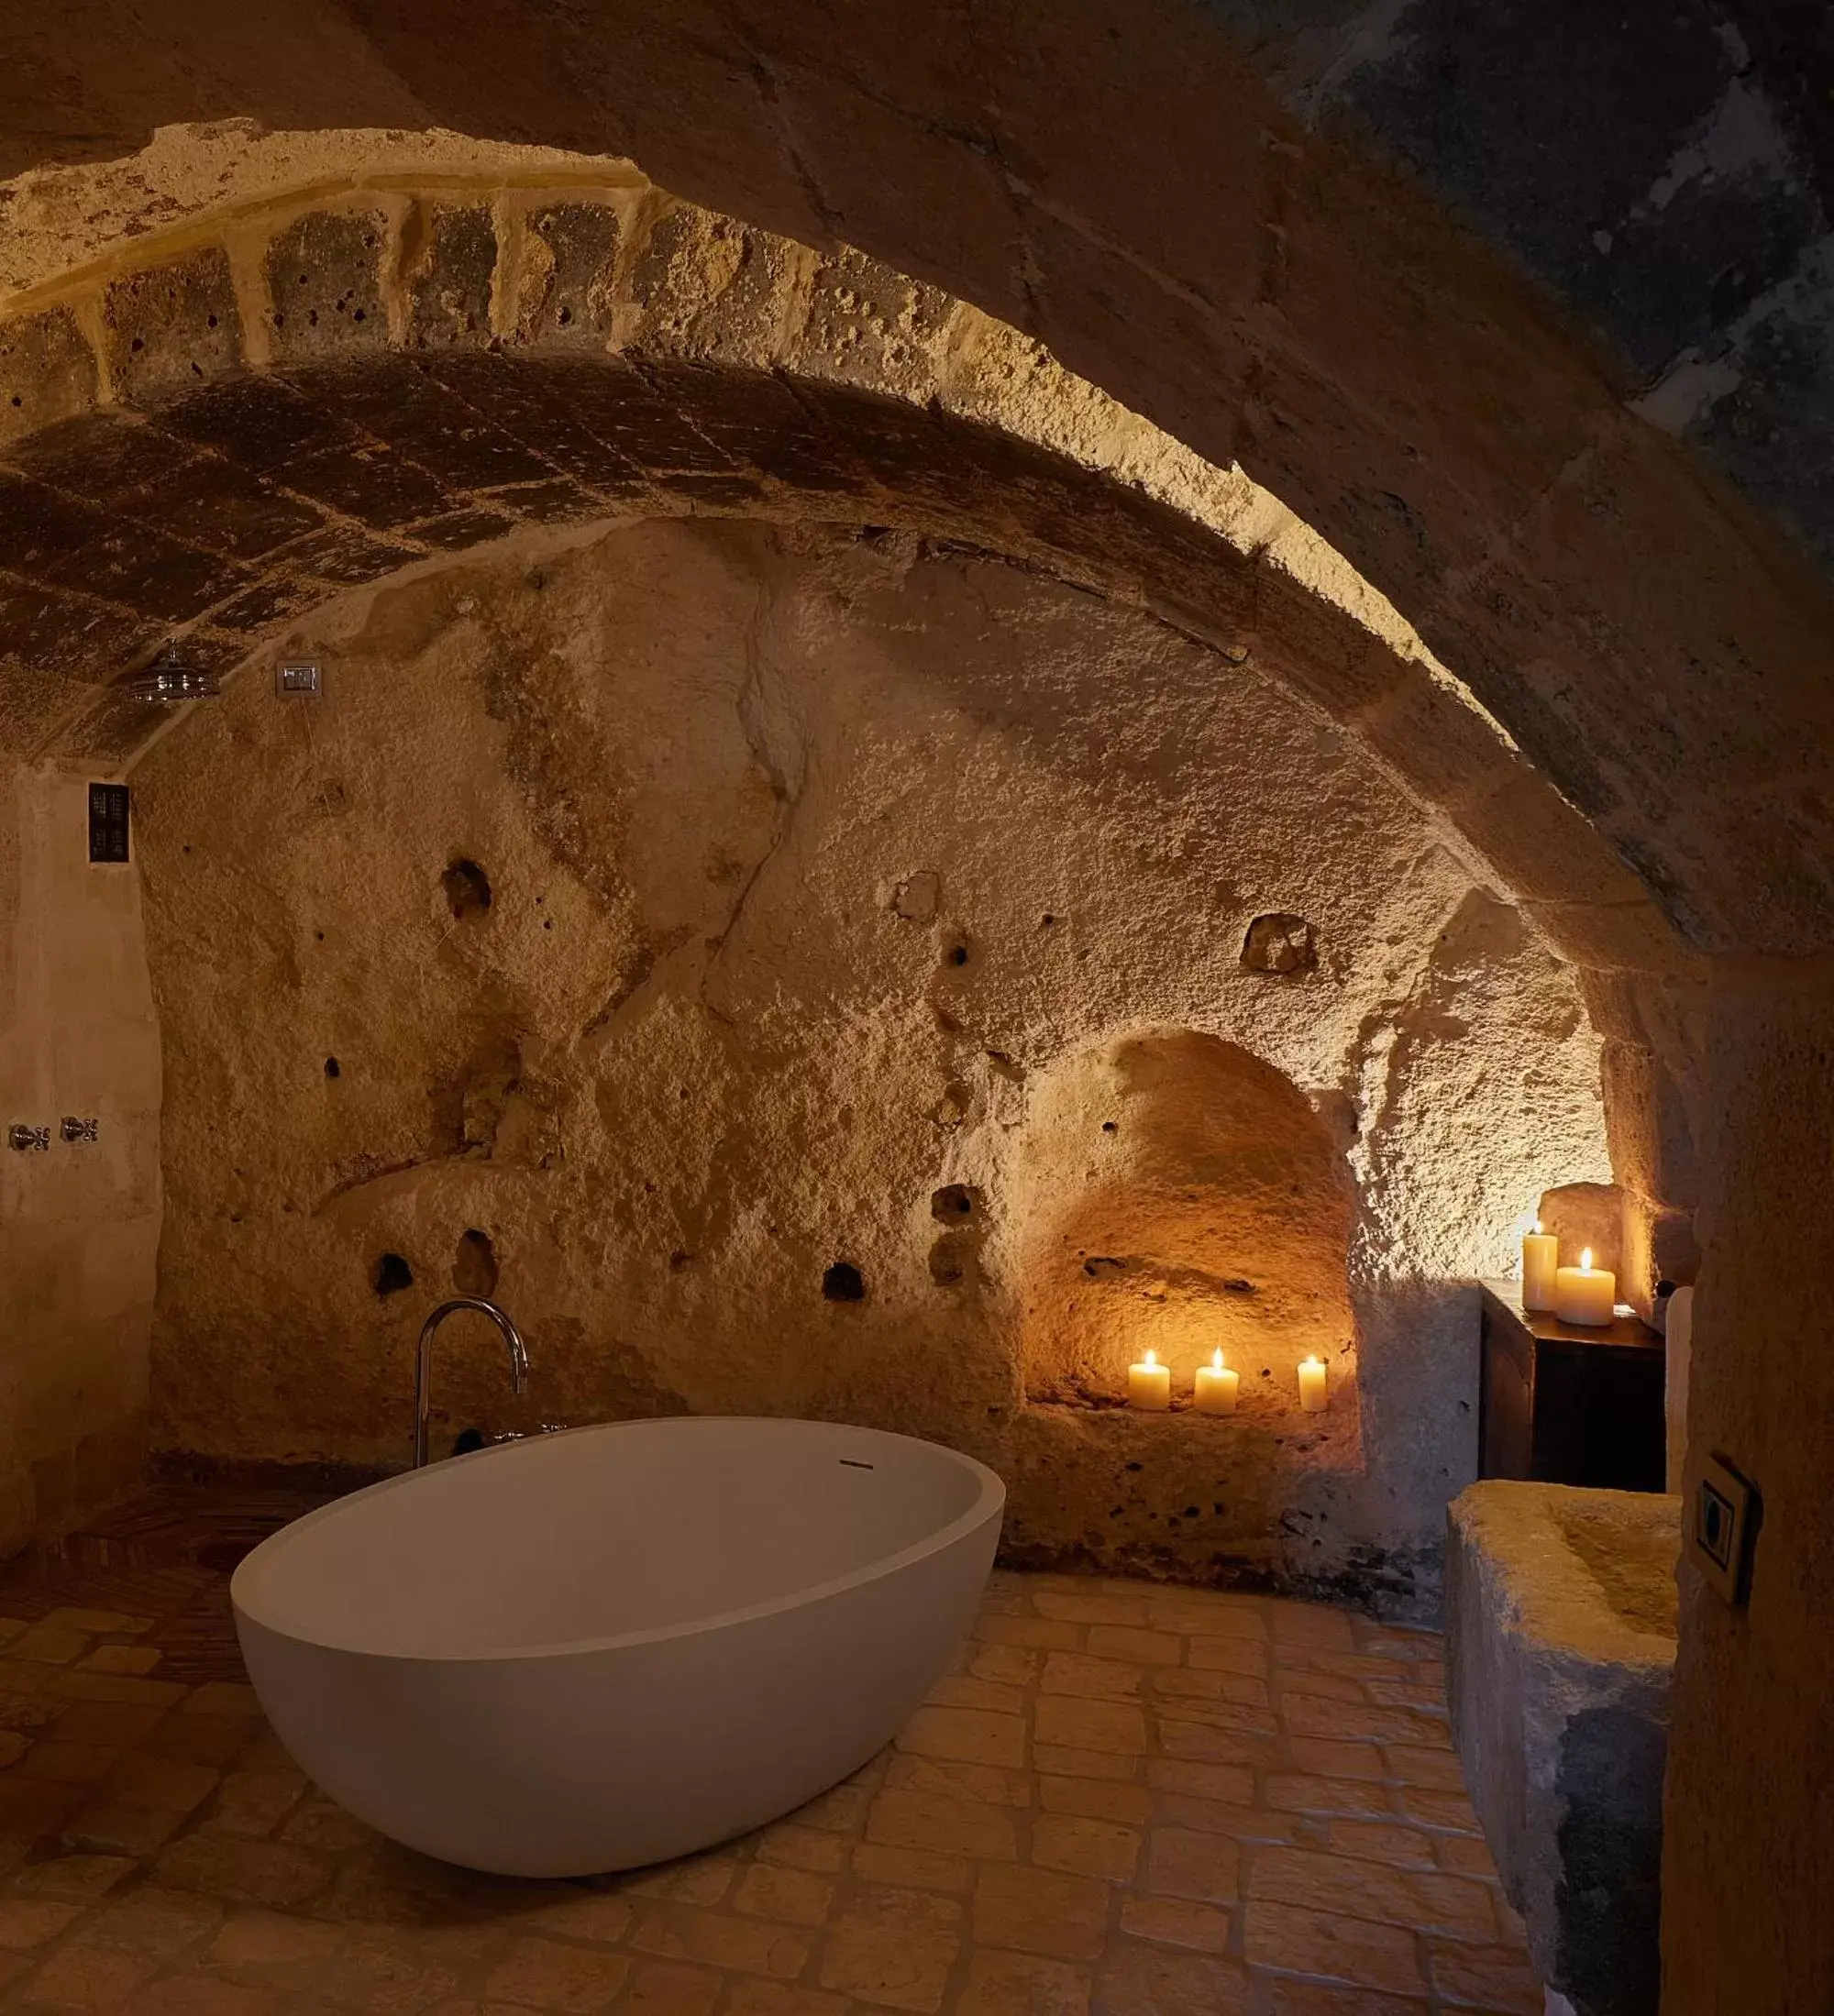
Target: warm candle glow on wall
pixel 1314 1385
pixel 1149 1384
pixel 1217 1386
pixel 1541 1263
pixel 1585 1295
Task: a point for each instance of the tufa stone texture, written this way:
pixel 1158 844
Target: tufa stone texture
pixel 827 879
pixel 1560 1642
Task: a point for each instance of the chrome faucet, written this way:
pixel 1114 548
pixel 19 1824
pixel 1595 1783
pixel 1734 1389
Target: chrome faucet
pixel 423 1359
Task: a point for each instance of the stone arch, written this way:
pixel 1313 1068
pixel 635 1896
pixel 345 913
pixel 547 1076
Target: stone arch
pixel 205 435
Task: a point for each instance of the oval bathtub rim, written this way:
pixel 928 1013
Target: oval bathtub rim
pixel 990 1503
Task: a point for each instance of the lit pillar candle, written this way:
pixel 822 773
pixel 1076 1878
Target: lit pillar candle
pixel 1314 1385
pixel 1149 1384
pixel 1217 1387
pixel 1541 1263
pixel 1585 1294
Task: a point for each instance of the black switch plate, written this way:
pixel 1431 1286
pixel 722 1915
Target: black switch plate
pixel 108 821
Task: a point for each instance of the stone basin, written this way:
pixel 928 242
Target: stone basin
pixel 1560 1642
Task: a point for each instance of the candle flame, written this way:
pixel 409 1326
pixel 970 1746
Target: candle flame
pixel 1216 1357
pixel 1586 1262
pixel 1151 1357
pixel 1538 1228
pixel 1314 1363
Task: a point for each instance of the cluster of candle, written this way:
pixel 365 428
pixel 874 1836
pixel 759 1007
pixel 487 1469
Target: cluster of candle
pixel 1216 1387
pixel 1584 1295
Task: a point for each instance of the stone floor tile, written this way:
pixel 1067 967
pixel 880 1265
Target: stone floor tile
pixel 544 1974
pixel 1219 1816
pixel 1177 1921
pixel 1023 1984
pixel 317 1823
pixel 1137 1647
pixel 794 1896
pixel 1300 1679
pixel 68 1763
pixel 88 1975
pixel 694 1879
pixel 913 1869
pixel 840 1810
pixel 988 1784
pixel 1065 1761
pixel 390 1973
pixel 99 1623
pixel 1016 1665
pixel 891 1968
pixel 1040 1910
pixel 1246 1654
pixel 1187 1683
pixel 1231 1782
pixel 1183 1862
pixel 580 1911
pixel 1038 1634
pixel 671 1988
pixel 55 1644
pixel 1433 1808
pixel 274 1949
pixel 721 1939
pixel 1301 1792
pixel 197 1739
pixel 1464 1854
pixel 1062 1606
pixel 1432 1769
pixel 1311 1715
pixel 969 1735
pixel 114 1725
pixel 969 1691
pixel 1139 1979
pixel 28 1714
pixel 255 1802
pixel 1286 1997
pixel 159 1923
pixel 1298 1940
pixel 243 1872
pixel 234 1698
pixel 1086 1848
pixel 1311 1624
pixel 27 1676
pixel 795 1846
pixel 1203 1742
pixel 749 1996
pixel 1383 1841
pixel 1321 1758
pixel 13 1743
pixel 144 1781
pixel 120 1659
pixel 1219 1615
pixel 1342 1887
pixel 1084 1725
pixel 81 1877
pixel 193 1994
pixel 29 1922
pixel 74 1684
pixel 1081 1673
pixel 1095 1798
pixel 945 1826
pixel 1491 1979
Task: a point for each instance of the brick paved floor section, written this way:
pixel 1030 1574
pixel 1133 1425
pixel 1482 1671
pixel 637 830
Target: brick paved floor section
pixel 1124 1799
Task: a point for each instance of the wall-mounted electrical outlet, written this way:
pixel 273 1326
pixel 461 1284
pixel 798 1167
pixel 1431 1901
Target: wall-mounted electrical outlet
pixel 299 676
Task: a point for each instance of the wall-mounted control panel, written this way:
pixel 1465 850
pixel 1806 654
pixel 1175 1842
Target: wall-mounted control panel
pixel 108 817
pixel 1723 1528
pixel 300 677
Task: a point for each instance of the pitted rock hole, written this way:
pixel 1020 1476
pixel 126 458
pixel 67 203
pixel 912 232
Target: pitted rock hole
pixel 474 1264
pixel 843 1283
pixel 333 1069
pixel 1281 944
pixel 392 1275
pixel 468 888
pixel 953 1204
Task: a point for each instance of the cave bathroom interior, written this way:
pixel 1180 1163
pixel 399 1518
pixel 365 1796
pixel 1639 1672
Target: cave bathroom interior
pixel 916 974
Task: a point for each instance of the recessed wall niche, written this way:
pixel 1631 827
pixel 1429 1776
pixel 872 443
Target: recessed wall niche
pixel 1217 1213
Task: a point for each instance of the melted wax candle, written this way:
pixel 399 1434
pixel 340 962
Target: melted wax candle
pixel 1585 1294
pixel 1149 1384
pixel 1217 1386
pixel 1314 1385
pixel 1541 1263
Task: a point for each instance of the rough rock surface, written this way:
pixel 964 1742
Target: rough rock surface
pixel 670 916
pixel 1560 1642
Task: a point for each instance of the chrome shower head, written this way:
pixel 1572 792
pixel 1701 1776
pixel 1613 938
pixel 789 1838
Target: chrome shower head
pixel 169 681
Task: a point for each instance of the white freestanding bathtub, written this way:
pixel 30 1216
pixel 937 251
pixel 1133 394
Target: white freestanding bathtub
pixel 589 1651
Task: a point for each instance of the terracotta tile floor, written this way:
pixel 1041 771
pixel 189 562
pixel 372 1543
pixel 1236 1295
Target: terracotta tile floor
pixel 1124 1799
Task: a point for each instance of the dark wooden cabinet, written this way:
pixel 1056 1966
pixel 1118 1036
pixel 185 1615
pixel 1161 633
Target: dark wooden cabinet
pixel 1564 1405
